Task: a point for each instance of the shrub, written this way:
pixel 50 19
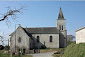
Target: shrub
pixel 43 47
pixel 6 47
pixel 1 47
pixel 70 42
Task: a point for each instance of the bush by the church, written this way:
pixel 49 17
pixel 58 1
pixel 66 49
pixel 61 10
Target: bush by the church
pixel 43 47
pixel 1 47
pixel 6 47
pixel 75 50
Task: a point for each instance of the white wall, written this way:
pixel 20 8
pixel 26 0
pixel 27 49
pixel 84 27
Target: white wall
pixel 80 36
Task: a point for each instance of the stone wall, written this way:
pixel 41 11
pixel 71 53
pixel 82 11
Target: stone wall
pixel 24 44
pixel 45 39
pixel 63 39
pixel 60 23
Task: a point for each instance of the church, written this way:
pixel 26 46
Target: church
pixel 26 39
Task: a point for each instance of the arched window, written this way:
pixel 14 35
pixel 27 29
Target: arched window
pixel 19 40
pixel 51 38
pixel 62 27
pixel 38 39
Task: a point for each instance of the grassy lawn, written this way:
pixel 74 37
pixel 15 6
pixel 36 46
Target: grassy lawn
pixel 75 50
pixel 8 55
pixel 67 50
pixel 2 54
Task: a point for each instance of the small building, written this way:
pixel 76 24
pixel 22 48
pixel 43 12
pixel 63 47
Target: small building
pixel 26 39
pixel 70 37
pixel 80 35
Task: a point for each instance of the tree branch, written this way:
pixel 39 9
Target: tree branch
pixel 10 13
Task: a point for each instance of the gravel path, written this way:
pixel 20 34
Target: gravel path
pixel 47 54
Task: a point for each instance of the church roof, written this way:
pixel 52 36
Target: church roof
pixel 60 16
pixel 42 30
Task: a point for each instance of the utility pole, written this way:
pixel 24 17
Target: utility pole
pixel 15 36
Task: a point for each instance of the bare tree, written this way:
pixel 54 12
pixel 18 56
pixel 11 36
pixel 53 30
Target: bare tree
pixel 11 13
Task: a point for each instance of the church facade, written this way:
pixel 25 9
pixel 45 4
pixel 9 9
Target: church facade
pixel 26 39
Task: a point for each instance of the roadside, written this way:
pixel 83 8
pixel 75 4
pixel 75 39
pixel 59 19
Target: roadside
pixel 47 54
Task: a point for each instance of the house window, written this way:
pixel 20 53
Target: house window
pixel 51 38
pixel 38 39
pixel 19 40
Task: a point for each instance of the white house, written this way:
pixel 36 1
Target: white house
pixel 80 35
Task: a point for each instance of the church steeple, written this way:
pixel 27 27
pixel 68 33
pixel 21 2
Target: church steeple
pixel 60 16
pixel 61 21
pixel 61 25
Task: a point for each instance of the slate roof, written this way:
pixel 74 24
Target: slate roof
pixel 42 30
pixel 60 16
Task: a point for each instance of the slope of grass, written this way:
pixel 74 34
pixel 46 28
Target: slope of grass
pixel 75 50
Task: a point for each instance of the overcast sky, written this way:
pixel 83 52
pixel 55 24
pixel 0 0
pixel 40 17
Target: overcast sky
pixel 44 14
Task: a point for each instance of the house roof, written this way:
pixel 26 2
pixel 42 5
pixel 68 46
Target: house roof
pixel 80 29
pixel 42 30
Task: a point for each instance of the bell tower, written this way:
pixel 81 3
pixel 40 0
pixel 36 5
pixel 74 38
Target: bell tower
pixel 61 25
pixel 61 21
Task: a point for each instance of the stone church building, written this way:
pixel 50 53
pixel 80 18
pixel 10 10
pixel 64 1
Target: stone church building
pixel 26 39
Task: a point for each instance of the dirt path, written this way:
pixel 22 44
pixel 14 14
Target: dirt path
pixel 47 54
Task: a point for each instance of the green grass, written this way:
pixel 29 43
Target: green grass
pixel 8 55
pixel 22 56
pixel 2 54
pixel 61 50
pixel 75 50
